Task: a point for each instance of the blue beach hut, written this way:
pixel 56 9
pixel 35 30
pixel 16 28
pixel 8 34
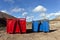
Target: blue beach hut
pixel 44 26
pixel 35 26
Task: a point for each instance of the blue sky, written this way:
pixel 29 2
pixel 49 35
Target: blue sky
pixel 22 8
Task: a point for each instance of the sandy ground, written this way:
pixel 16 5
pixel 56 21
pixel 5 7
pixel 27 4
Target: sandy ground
pixel 54 34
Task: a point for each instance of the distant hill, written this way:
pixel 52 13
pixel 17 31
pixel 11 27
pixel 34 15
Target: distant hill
pixel 56 19
pixel 3 17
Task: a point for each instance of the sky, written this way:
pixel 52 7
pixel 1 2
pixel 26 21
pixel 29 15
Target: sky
pixel 31 9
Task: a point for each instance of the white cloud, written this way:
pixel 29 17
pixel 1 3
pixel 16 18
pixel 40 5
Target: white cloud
pixel 51 16
pixel 18 10
pixel 4 11
pixel 54 14
pixel 42 14
pixel 57 13
pixel 42 11
pixel 32 16
pixel 39 8
pixel 12 1
pixel 29 18
pixel 24 14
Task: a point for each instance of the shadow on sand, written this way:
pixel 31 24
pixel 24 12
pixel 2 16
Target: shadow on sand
pixel 30 31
